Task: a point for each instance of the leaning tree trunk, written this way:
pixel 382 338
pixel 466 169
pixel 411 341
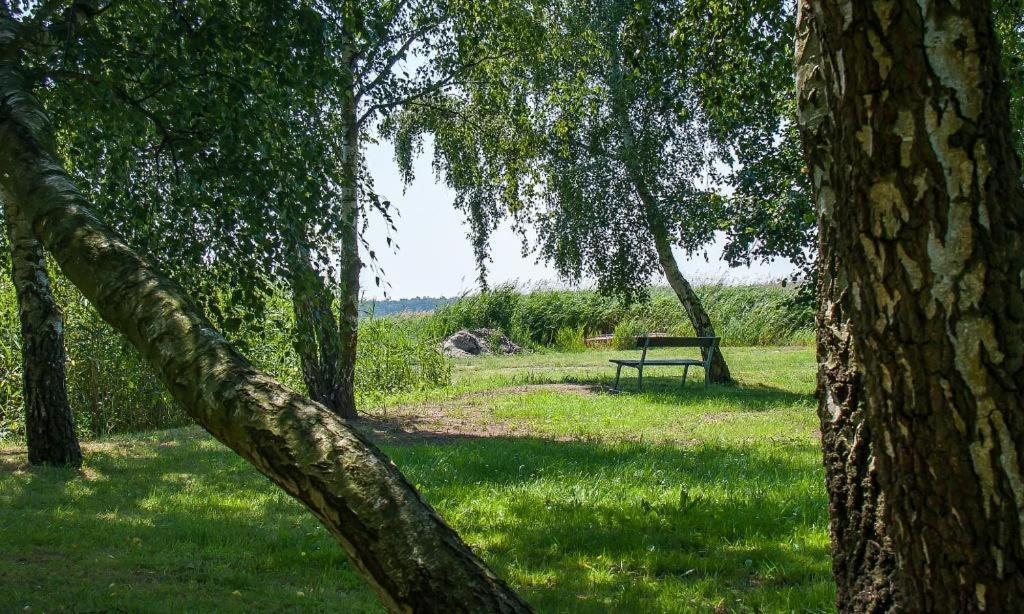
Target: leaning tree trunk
pixel 915 170
pixel 350 264
pixel 317 341
pixel 657 226
pixel 862 559
pixel 410 556
pixel 691 302
pixel 49 424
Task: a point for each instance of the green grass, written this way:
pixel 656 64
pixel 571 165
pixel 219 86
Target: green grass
pixel 671 500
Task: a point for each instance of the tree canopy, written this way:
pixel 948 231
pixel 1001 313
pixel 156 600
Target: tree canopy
pixel 539 136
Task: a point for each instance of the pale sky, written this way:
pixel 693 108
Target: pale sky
pixel 435 256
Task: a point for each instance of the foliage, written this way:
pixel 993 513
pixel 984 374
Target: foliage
pixel 192 128
pixel 1009 24
pixel 664 501
pixel 603 128
pixel 189 122
pixel 744 315
pixel 625 334
pixel 11 421
pixel 112 390
pixel 222 139
pixel 569 339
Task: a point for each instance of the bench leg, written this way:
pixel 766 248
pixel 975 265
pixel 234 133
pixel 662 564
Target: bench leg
pixel 686 371
pixel 640 379
pixel 618 373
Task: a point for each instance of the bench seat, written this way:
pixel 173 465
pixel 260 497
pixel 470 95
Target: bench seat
pixel 631 362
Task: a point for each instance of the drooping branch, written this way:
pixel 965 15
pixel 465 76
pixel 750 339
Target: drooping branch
pixel 389 64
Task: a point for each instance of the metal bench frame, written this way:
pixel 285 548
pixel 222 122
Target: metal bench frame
pixel 708 345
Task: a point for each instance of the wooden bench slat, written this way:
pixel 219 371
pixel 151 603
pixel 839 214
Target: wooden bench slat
pixel 676 342
pixel 630 362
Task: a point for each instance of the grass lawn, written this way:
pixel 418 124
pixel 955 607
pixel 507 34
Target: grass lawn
pixel 670 500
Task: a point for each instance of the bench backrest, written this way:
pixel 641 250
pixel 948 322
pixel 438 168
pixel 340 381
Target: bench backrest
pixel 707 345
pixel 677 342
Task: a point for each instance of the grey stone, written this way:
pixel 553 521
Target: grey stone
pixel 478 342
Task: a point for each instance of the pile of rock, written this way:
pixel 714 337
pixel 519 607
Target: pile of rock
pixel 478 342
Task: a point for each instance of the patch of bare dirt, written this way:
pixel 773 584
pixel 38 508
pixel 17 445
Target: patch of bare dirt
pixel 462 417
pixel 13 460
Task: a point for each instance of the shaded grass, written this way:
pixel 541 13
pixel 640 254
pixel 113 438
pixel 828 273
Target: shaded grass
pixel 670 500
pixel 639 527
pixel 167 522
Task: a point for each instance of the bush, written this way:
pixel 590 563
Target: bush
pixel 10 365
pixel 625 334
pixel 569 339
pixel 111 389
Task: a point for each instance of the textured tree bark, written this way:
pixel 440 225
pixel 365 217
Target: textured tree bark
pixel 351 266
pixel 411 557
pixel 863 562
pixel 915 170
pixel 49 424
pixel 317 341
pixel 862 559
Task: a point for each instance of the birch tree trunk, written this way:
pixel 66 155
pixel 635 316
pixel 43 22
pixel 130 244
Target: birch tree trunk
pixel 862 559
pixel 49 424
pixel 917 185
pixel 414 561
pixel 699 317
pixel 656 225
pixel 350 264
pixel 317 341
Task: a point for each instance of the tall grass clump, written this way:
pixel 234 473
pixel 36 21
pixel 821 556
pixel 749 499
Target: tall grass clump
pixel 10 362
pixel 494 308
pixel 392 361
pixel 569 339
pixel 532 319
pixel 743 315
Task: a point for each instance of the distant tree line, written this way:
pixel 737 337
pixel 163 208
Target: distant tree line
pixel 416 304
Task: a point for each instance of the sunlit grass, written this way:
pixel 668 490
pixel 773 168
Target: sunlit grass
pixel 669 500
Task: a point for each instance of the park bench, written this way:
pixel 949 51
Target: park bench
pixel 708 345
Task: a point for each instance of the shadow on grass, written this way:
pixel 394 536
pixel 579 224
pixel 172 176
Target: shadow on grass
pixel 581 526
pixel 664 390
pixel 176 523
pixel 183 523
